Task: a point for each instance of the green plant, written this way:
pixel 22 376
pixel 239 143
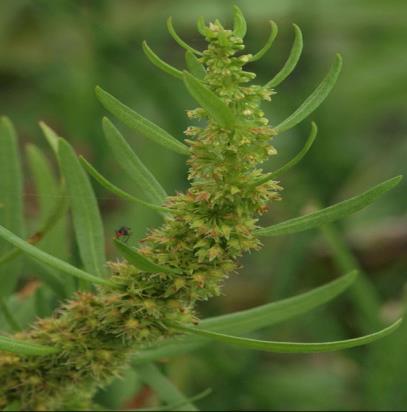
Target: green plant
pixel 137 312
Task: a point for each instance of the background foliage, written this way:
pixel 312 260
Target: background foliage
pixel 53 53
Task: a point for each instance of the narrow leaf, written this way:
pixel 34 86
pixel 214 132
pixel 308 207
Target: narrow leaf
pixel 239 23
pixel 296 159
pixel 11 204
pixel 161 64
pixel 25 348
pixel 269 42
pixel 141 262
pixel 163 387
pixel 117 191
pixel 194 66
pixel 292 60
pixel 137 122
pixel 132 165
pixel 315 99
pixel 85 211
pixel 253 319
pixel 50 260
pixel 291 347
pixel 178 39
pixel 331 213
pixel 215 107
pixel 259 317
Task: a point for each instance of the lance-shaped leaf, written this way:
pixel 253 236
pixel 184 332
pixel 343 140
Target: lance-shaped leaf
pixel 25 348
pixel 178 39
pixel 290 347
pixel 239 23
pixel 253 319
pixel 50 260
pixel 292 60
pixel 296 159
pixel 161 64
pixel 51 136
pixel 117 191
pixel 141 262
pixel 331 213
pixel 194 66
pixel 11 204
pixel 215 107
pixel 315 99
pixel 137 122
pixel 132 165
pixel 269 42
pixel 85 211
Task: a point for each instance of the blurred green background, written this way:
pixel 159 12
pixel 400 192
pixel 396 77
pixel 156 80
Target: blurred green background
pixel 53 53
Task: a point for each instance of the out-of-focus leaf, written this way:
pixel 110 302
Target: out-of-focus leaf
pixel 85 211
pixel 292 60
pixel 216 108
pixel 165 389
pixel 331 213
pixel 141 262
pixel 25 348
pixel 137 122
pixel 117 191
pixel 269 42
pixel 132 165
pixel 314 99
pixel 178 39
pixel 290 347
pixel 49 259
pixel 8 315
pixel 161 64
pixel 11 206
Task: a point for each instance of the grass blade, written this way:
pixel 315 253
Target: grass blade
pixel 50 260
pixel 25 348
pixel 11 205
pixel 85 211
pixel 137 122
pixel 140 261
pixel 315 98
pixel 296 159
pixel 251 320
pixel 215 107
pixel 132 165
pixel 194 66
pixel 331 213
pixel 292 60
pixel 161 64
pixel 117 191
pixel 291 347
pixel 239 23
pixel 164 388
pixel 269 42
pixel 178 39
